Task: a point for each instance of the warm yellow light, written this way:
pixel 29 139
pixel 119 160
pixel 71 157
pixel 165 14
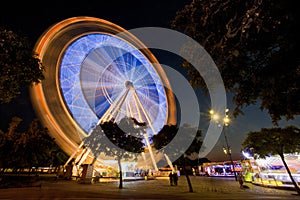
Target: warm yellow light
pixel 226 120
pixel 215 117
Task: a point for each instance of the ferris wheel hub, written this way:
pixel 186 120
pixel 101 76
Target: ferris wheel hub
pixel 129 84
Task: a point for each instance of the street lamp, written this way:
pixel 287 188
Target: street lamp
pixel 226 120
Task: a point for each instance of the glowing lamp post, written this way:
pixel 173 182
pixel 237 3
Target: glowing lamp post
pixel 226 120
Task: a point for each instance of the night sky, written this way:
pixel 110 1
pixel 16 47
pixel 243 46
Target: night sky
pixel 35 19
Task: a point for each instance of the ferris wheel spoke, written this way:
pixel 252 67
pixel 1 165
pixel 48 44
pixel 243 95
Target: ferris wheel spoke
pixel 115 106
pixel 90 72
pixel 112 85
pixel 112 72
pixel 131 73
pixel 144 86
pixel 149 101
pixel 140 70
pixel 123 60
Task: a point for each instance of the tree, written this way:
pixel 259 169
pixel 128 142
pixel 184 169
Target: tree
pixel 275 141
pixel 122 140
pixel 254 44
pixel 167 134
pixel 32 148
pixel 19 65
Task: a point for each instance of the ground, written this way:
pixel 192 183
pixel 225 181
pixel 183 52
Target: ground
pixel 204 188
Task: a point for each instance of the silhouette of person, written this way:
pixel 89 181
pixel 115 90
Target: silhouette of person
pixel 241 180
pixel 175 178
pixel 171 178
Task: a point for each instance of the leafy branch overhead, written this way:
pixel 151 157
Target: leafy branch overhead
pixel 19 65
pixel 255 46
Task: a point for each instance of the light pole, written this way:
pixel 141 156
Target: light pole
pixel 226 120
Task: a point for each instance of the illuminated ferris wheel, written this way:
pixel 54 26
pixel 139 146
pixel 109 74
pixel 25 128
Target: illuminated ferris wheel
pixel 97 71
pixel 109 78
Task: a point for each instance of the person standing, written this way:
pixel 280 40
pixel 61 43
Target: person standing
pixel 175 178
pixel 241 180
pixel 171 178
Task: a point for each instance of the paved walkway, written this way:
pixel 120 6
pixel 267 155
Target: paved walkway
pixel 204 188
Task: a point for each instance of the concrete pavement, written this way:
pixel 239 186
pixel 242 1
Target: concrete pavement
pixel 204 188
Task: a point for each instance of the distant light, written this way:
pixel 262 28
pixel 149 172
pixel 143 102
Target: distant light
pixel 226 120
pixel 225 151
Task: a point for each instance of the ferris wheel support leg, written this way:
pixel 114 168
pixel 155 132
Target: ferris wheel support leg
pixel 106 117
pixel 144 111
pixel 130 113
pixel 146 134
pixel 120 104
pixel 150 151
pixel 169 162
pixel 128 110
pixel 138 110
pixel 83 157
pixel 144 158
pixel 114 107
pixel 73 155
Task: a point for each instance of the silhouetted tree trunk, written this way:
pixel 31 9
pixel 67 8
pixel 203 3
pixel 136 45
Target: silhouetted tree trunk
pixel 121 176
pixel 290 174
pixel 187 177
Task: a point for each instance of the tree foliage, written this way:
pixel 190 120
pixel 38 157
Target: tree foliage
pixel 32 148
pixel 119 141
pixel 125 135
pixel 168 133
pixel 254 44
pixel 274 141
pixel 164 136
pixel 19 65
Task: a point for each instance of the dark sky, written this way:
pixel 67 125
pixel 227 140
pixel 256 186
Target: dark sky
pixel 33 19
pixel 127 14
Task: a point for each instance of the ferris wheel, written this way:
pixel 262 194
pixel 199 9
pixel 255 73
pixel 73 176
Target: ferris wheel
pixel 112 79
pixel 97 71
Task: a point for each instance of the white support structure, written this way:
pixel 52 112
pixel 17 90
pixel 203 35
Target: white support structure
pixel 169 162
pixel 73 155
pixel 114 112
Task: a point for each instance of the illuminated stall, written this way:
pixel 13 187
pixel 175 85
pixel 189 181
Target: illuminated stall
pixel 270 171
pixel 221 168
